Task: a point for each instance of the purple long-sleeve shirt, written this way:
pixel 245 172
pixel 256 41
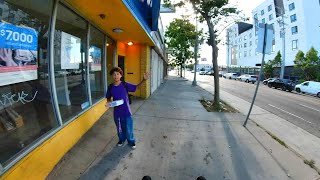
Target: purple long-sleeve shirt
pixel 119 92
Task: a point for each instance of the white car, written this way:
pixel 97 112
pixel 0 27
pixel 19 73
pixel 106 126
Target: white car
pixel 202 72
pixel 231 76
pixel 310 87
pixel 248 78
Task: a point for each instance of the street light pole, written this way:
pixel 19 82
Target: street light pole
pixel 228 46
pixel 194 83
pixel 283 49
pixel 283 34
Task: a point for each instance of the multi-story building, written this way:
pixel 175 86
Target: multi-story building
pixel 55 59
pixel 301 32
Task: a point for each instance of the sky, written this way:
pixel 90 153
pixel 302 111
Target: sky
pixel 205 51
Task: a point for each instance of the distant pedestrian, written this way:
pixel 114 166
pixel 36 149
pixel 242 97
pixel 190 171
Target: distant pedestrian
pixel 118 90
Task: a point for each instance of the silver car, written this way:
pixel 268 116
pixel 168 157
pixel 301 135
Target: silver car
pixel 248 78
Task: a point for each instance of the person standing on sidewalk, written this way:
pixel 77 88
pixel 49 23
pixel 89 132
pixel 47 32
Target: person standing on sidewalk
pixel 118 90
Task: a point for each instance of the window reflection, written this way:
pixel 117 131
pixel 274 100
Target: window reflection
pixel 70 63
pixel 26 111
pixel 95 64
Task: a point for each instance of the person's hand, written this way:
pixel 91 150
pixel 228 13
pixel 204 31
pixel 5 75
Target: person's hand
pixel 107 105
pixel 146 76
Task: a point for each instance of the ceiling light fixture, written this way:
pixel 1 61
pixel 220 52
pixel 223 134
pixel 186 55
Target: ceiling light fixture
pixel 117 30
pixel 130 43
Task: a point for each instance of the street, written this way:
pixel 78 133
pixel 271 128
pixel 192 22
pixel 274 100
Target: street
pixel 300 109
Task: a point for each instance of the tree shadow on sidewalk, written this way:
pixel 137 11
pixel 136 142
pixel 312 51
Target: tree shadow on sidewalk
pixel 106 164
pixel 243 158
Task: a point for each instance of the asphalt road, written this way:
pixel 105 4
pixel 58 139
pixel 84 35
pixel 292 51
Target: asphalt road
pixel 300 109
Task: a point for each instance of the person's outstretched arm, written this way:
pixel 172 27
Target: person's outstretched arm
pixel 146 76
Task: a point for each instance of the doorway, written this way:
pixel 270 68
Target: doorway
pixel 121 65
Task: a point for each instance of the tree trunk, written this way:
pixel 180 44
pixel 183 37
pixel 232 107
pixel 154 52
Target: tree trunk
pixel 181 70
pixel 214 63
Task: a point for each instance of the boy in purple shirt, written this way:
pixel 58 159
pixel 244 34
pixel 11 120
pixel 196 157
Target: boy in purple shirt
pixel 122 114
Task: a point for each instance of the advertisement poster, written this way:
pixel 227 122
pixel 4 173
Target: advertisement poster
pixel 95 58
pixel 18 54
pixel 70 51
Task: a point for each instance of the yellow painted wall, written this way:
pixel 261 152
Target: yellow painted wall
pixel 145 67
pixel 121 49
pixel 110 56
pixel 40 162
pixel 132 64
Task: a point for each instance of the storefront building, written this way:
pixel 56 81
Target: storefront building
pixel 55 57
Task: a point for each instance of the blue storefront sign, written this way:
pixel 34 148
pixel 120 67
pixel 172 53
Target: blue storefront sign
pixel 15 37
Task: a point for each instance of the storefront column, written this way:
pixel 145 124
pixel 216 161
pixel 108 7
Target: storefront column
pixel 145 67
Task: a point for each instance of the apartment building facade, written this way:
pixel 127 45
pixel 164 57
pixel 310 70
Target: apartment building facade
pixel 296 27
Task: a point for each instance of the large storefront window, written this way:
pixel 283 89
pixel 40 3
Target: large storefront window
pixel 70 63
pixel 26 111
pixel 95 64
pixel 110 57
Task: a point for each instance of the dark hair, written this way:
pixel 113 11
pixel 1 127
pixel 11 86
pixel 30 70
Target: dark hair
pixel 201 178
pixel 116 69
pixel 146 178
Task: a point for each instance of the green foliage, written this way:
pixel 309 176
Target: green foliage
pixel 277 60
pixel 268 70
pixel 190 66
pixel 214 13
pixel 307 65
pixel 180 37
pixel 271 65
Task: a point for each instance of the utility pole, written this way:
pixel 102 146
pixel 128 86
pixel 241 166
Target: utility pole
pixel 228 46
pixel 283 34
pixel 194 83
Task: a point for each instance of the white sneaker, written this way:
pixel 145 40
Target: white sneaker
pixel 120 144
pixel 133 146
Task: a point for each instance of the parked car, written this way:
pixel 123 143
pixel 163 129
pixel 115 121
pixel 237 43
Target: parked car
pixel 210 73
pixel 202 72
pixel 248 78
pixel 265 82
pixel 310 87
pixel 284 84
pixel 231 76
pixel 221 73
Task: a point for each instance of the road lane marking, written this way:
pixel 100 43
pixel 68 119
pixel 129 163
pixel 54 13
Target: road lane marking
pixel 290 113
pixel 309 107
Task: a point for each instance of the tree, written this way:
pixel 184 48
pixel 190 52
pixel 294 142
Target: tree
pixel 190 66
pixel 308 64
pixel 268 69
pixel 180 37
pixel 213 12
pixel 271 65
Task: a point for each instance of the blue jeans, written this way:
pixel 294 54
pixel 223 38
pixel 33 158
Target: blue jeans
pixel 125 130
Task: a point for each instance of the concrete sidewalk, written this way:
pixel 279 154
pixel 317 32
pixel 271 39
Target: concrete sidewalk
pixel 178 139
pixel 303 143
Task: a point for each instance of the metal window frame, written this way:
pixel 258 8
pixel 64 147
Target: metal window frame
pixel 295 42
pixel 270 17
pixel 104 64
pixel 87 64
pixel 295 17
pixel 292 6
pixel 295 28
